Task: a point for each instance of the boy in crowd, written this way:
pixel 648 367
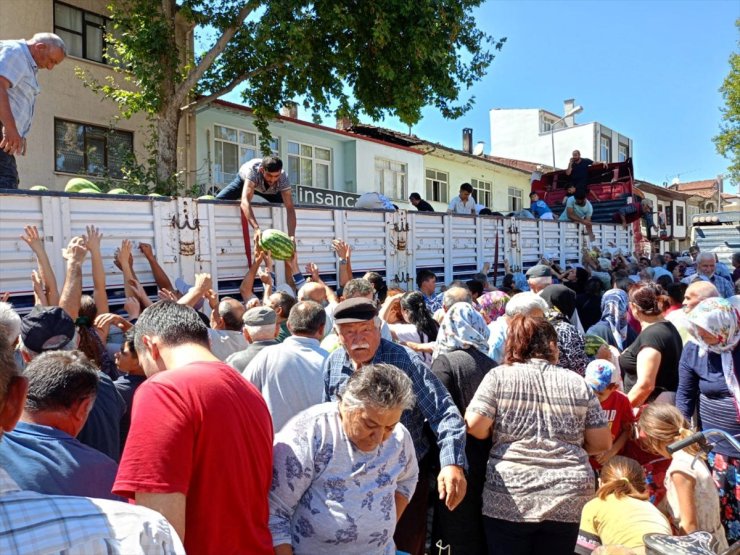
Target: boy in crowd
pixel 603 379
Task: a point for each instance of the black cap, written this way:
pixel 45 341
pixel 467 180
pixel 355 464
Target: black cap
pixel 540 270
pixel 47 328
pixel 358 309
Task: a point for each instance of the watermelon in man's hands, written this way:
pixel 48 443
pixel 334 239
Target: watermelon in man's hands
pixel 277 243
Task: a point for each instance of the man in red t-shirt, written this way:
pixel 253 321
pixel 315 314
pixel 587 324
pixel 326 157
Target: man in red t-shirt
pixel 602 377
pixel 200 446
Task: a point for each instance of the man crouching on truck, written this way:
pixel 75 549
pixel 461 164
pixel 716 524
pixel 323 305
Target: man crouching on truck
pixel 266 178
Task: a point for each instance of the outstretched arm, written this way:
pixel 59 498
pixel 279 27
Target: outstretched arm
pixel 344 252
pixel 290 212
pixel 247 286
pixel 100 295
pixel 72 290
pixel 160 276
pixel 32 238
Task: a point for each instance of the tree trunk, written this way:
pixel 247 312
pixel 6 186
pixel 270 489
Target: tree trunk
pixel 168 123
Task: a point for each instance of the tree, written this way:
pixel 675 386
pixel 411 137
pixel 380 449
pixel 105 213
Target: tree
pixel 346 57
pixel 728 140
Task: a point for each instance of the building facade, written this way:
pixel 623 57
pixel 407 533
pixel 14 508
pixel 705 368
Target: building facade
pixel 75 132
pixel 326 166
pixel 537 135
pixel 677 210
pixel 710 193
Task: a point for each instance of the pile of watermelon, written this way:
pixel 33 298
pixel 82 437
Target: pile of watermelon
pixel 277 243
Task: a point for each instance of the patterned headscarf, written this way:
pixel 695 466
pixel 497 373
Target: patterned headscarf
pixel 493 304
pixel 462 328
pixel 720 318
pixel 614 312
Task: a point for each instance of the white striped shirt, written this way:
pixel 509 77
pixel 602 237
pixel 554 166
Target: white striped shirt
pixel 33 524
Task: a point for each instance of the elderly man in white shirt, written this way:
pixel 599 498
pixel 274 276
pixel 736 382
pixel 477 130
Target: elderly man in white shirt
pixel 290 375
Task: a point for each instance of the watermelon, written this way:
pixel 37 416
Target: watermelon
pixel 38 188
pixel 277 243
pixel 206 197
pixel 90 191
pixel 154 195
pixel 76 184
pixel 118 191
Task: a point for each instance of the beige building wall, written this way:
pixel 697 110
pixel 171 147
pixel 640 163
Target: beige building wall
pixel 63 94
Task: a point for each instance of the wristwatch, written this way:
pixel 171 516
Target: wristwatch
pixel 343 261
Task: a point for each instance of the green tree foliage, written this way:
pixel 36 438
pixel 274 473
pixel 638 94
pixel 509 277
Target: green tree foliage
pixel 728 140
pixel 340 57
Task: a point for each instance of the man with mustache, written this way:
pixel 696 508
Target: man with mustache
pixel 358 327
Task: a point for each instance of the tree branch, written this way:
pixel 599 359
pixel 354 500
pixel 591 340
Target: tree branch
pixel 232 85
pixel 195 75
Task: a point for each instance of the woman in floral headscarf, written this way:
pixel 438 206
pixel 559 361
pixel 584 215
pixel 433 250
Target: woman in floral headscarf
pixel 493 305
pixel 460 363
pixel 708 375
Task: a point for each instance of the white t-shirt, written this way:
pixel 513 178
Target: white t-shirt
pixel 457 206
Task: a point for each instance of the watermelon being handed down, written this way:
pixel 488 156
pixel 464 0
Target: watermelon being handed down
pixel 76 184
pixel 277 243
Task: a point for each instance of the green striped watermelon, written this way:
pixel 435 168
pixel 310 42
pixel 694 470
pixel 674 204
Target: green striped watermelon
pixel 277 243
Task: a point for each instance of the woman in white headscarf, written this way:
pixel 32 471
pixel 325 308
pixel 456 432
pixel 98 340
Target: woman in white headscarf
pixel 461 362
pixel 708 376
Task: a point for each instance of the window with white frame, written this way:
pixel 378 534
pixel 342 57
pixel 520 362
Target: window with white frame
pixel 83 32
pixel 231 148
pixel 515 199
pixel 91 150
pixel 437 186
pixel 483 192
pixel 606 148
pixel 623 153
pixel 391 178
pixel 680 216
pixel 309 165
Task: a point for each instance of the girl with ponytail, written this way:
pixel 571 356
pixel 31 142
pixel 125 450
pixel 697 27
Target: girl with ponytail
pixel 691 496
pixel 620 514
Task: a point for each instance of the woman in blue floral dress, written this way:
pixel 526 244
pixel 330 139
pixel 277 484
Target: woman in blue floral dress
pixel 344 472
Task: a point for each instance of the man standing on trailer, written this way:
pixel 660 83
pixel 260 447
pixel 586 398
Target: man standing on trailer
pixel 20 61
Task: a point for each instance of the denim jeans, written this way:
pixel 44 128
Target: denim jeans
pixel 8 171
pixel 233 191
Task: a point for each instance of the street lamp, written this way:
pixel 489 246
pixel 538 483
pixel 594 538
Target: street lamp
pixel 572 112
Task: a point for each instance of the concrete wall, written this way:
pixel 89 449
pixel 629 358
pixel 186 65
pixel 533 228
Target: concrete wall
pixel 62 92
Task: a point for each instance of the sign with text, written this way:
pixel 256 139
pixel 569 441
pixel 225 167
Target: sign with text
pixel 324 197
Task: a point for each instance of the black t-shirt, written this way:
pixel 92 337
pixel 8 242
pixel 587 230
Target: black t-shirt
pixel 663 337
pixel 424 206
pixel 579 172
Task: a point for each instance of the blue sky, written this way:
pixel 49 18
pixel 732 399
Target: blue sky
pixel 648 69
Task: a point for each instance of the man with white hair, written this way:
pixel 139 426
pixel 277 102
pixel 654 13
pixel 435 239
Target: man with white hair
pixel 528 304
pixel 695 293
pixel 20 61
pixel 10 323
pixel 706 266
pixel 539 277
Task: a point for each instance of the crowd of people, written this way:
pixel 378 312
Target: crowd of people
pixel 530 416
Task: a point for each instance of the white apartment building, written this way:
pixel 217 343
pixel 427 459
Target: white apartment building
pixel 536 135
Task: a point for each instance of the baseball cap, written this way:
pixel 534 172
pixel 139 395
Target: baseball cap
pixel 47 328
pixel 358 309
pixel 259 316
pixel 540 270
pixel 600 374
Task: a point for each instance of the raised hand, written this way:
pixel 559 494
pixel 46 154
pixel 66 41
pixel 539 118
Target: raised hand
pixel 343 250
pixel 76 250
pixel 38 289
pixel 32 238
pixel 123 255
pixel 132 307
pixel 92 239
pixel 166 295
pixel 146 250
